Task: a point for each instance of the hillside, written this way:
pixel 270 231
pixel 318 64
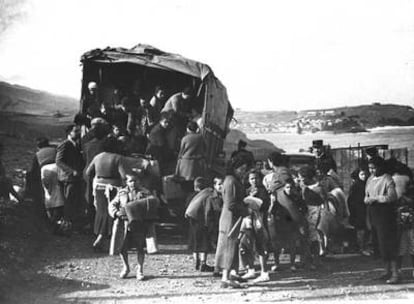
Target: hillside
pixel 20 99
pixel 341 119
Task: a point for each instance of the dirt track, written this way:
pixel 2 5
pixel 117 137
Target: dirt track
pixel 65 270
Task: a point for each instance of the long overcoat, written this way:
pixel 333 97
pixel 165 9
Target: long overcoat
pixel 233 208
pixel 191 162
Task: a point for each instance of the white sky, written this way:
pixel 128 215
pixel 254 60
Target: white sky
pixel 271 55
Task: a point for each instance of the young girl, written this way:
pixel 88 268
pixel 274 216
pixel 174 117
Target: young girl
pixel 287 222
pixel 133 209
pixel 200 215
pixel 257 234
pixel 313 195
pixel 358 209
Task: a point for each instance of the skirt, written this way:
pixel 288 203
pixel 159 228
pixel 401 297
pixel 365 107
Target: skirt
pixel 384 223
pixel 312 217
pixel 103 222
pixel 406 242
pixel 199 238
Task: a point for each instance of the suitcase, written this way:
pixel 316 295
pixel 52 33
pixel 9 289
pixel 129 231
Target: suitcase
pixel 172 188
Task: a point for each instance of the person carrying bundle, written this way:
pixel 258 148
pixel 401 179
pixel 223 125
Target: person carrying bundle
pixel 133 209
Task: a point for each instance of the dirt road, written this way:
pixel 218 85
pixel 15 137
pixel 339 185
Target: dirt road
pixel 66 270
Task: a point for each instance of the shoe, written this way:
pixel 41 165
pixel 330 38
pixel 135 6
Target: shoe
pixel 140 276
pixel 216 274
pixel 384 277
pixel 366 253
pixel 249 275
pixel 394 279
pixel 263 277
pixel 237 278
pixel 230 284
pixel 206 268
pixel 275 268
pixel 124 273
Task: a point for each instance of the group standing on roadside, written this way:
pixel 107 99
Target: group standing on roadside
pixel 251 211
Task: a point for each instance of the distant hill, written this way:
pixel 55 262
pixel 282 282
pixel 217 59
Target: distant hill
pixel 20 99
pixel 367 116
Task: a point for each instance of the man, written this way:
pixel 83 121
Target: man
pixel 158 143
pixel 70 165
pixel 322 155
pixel 180 105
pixel 45 155
pixel 243 153
pixel 157 102
pixel 90 103
pixel 6 185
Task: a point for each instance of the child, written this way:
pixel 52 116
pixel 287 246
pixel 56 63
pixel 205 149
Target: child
pixel 313 194
pixel 358 209
pixel 287 222
pixel 199 213
pixel 255 233
pixel 133 209
pixel 217 203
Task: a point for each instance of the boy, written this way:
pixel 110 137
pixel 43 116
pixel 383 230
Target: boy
pixel 133 209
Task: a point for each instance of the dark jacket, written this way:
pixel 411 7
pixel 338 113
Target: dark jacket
pixel 68 160
pixel 158 146
pixel 191 161
pixel 356 204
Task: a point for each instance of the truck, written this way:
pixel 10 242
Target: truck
pixel 146 67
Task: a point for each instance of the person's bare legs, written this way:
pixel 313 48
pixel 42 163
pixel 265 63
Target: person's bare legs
pixel 140 266
pixel 124 259
pixel 97 241
pixel 196 259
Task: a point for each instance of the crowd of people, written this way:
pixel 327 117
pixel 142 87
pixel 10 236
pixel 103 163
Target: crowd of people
pixel 256 209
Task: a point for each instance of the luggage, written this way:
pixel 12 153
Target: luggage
pixel 172 188
pixel 151 239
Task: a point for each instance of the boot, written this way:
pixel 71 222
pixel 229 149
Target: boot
pixel 394 279
pixel 387 274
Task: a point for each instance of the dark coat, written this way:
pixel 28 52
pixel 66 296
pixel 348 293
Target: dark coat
pixel 356 204
pixel 233 208
pixel 92 148
pixel 68 160
pixel 158 145
pixel 191 162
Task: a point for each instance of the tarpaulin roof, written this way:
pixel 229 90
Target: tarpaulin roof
pixel 147 55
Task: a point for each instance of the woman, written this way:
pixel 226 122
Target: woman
pixel 108 173
pixel 191 161
pixel 230 220
pixel 358 209
pixel 405 213
pixel 200 214
pixel 381 196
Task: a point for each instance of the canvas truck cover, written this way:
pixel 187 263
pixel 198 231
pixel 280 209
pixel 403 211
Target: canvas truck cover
pixel 217 110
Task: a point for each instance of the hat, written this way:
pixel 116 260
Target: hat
pixel 371 151
pixel 201 183
pixel 242 143
pixel 317 143
pixel 97 121
pixel 92 85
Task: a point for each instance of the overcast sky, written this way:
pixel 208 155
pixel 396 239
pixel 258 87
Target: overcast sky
pixel 271 55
